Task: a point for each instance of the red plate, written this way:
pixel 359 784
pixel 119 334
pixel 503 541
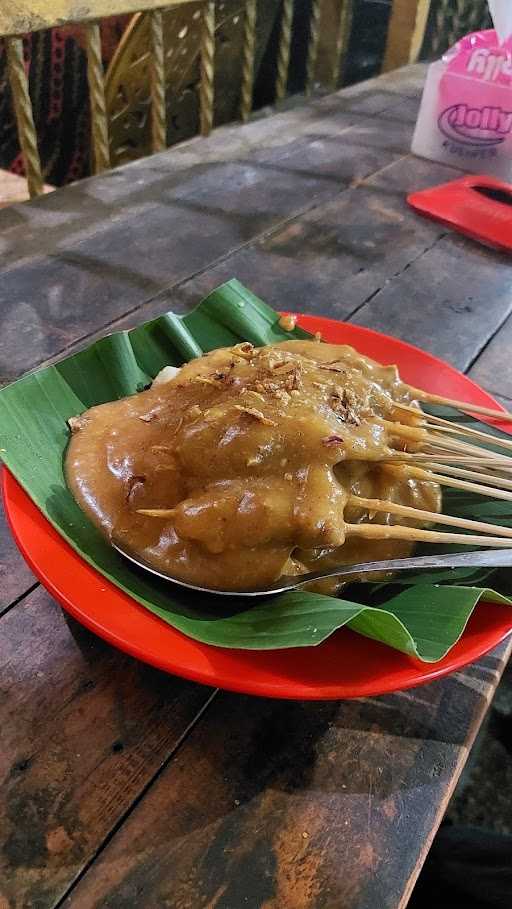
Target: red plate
pixel 345 666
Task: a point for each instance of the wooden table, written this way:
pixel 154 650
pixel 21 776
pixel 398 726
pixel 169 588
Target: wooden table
pixel 123 787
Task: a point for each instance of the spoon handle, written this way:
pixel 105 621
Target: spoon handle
pixel 488 558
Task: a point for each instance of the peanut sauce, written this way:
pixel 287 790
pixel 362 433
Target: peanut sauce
pixel 238 468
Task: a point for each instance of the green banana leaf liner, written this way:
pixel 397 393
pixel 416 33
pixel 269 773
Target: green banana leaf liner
pixel 422 616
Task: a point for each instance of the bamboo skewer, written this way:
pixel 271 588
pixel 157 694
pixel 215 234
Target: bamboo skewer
pixel 457 445
pixel 417 514
pixel 438 442
pixel 488 459
pixel 418 434
pixel 492 468
pixel 397 531
pixel 472 433
pixel 488 478
pixel 428 398
pixel 444 433
pixel 496 463
pixel 432 422
pixel 416 535
pixel 485 469
pixel 441 442
pixel 420 456
pixel 157 512
pixel 403 431
pixel 443 480
pixel 457 469
pixel 380 505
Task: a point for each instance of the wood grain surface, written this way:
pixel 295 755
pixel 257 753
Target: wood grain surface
pixel 84 731
pixel 287 806
pixel 493 368
pixel 121 786
pixel 15 575
pixel 97 251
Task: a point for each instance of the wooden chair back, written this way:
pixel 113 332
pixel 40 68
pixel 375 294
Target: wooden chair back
pixel 18 17
pixel 246 50
pixel 329 30
pixel 22 16
pixel 429 27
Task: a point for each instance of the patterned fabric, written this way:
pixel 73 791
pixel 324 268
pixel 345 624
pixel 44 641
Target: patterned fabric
pixel 57 69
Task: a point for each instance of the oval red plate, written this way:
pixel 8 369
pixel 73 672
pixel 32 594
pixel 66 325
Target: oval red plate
pixel 345 666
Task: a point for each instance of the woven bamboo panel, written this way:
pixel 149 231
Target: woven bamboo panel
pixel 128 77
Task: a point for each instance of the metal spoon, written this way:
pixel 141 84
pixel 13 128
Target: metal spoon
pixel 488 558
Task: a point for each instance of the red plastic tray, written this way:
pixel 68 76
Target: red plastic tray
pixel 480 207
pixel 345 666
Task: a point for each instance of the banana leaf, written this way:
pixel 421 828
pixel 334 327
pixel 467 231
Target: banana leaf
pixel 420 616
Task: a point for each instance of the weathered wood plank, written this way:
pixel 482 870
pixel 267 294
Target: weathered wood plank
pixel 506 402
pixel 450 301
pixel 113 273
pixel 131 260
pixel 406 32
pixel 335 31
pixel 84 730
pixel 493 368
pixel 80 211
pixel 20 16
pixel 295 806
pixel 408 80
pixel 329 260
pixel 15 575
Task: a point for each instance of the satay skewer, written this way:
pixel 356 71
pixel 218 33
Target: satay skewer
pixel 418 514
pixel 466 406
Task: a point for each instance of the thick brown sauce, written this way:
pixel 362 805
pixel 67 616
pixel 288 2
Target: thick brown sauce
pixel 254 453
